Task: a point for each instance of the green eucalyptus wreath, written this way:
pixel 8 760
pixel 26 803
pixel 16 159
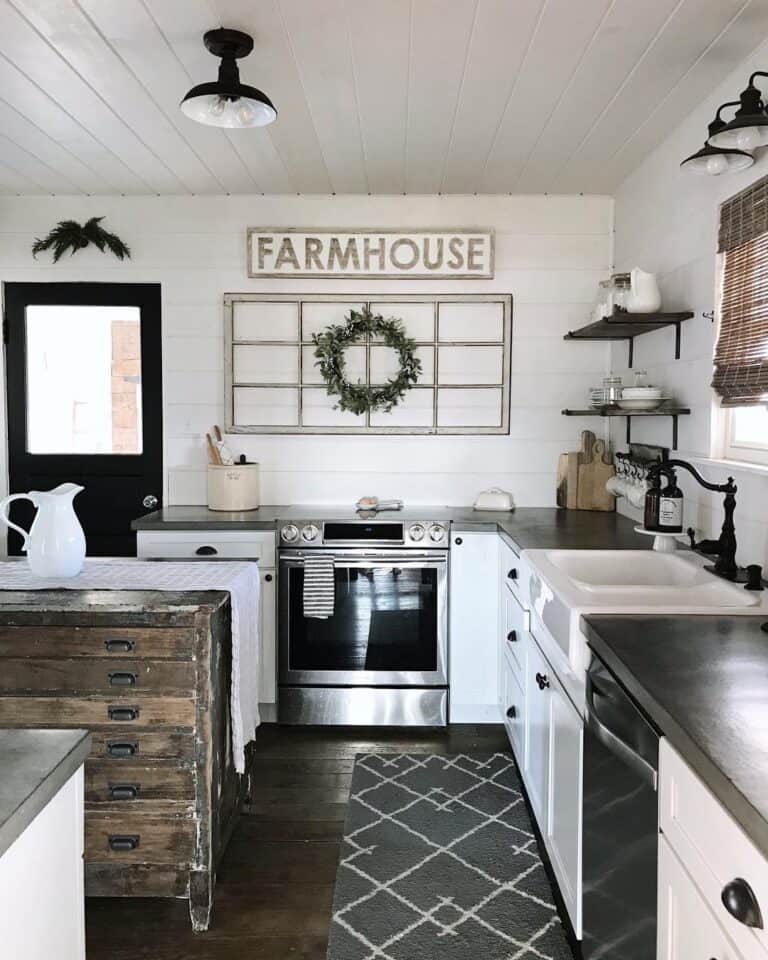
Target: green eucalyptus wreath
pixel 360 397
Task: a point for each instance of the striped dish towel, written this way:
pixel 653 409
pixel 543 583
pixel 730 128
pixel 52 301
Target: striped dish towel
pixel 319 590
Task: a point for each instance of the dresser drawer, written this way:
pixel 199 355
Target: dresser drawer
pixel 120 878
pixel 132 710
pixel 152 642
pixel 137 838
pixel 208 545
pixel 132 781
pixel 712 847
pixel 115 677
pixel 119 745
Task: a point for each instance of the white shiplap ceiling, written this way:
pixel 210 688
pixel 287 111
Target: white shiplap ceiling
pixel 374 96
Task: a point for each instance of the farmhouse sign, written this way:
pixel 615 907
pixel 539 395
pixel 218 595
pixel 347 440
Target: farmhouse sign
pixel 416 254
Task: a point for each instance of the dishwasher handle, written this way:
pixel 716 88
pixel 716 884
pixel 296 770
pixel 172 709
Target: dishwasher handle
pixel 646 771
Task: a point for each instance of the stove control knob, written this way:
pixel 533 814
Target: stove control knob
pixel 437 533
pixel 310 532
pixel 416 532
pixel 289 533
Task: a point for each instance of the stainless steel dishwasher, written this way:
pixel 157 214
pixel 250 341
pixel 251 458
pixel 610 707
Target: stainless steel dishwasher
pixel 620 825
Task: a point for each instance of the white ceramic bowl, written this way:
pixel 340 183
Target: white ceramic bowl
pixel 642 393
pixel 641 403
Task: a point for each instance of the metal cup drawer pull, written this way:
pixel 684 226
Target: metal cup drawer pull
pixel 123 678
pixel 120 842
pixel 119 645
pixel 123 713
pixel 124 791
pixel 123 748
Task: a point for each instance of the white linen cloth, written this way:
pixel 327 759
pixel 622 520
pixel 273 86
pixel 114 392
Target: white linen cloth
pixel 239 578
pixel 319 587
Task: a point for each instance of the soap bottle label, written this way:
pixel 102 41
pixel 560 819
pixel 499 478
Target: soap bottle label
pixel 671 512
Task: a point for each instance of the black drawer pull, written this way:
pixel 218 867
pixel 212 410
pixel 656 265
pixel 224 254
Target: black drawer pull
pixel 543 680
pixel 268 578
pixel 122 678
pixel 740 901
pixel 206 551
pixel 119 842
pixel 119 645
pixel 458 541
pixel 511 712
pixel 512 636
pixel 512 574
pixel 122 748
pixel 123 713
pixel 123 791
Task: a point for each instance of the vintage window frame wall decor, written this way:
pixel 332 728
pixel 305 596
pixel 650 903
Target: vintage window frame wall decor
pixel 303 343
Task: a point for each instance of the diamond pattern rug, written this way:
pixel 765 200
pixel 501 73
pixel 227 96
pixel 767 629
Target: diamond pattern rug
pixel 439 860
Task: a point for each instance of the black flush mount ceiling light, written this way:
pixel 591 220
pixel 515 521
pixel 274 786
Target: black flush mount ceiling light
pixel 712 160
pixel 227 102
pixel 749 128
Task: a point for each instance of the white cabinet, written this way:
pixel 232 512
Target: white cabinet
pixel 566 746
pixel 687 930
pixel 538 693
pixel 513 711
pixel 201 544
pixel 473 613
pixel 42 892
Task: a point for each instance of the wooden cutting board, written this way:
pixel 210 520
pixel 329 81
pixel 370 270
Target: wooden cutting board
pixel 567 480
pixel 594 469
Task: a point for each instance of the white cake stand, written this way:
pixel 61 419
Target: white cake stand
pixel 663 542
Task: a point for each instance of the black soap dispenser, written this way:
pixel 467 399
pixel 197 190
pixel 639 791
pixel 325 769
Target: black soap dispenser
pixel 671 506
pixel 652 503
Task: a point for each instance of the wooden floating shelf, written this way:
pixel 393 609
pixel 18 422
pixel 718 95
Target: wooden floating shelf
pixel 622 325
pixel 673 412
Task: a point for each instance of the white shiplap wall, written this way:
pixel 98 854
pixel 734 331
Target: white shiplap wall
pixel 550 254
pixel 666 222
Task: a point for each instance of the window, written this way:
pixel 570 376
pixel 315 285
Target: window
pixel 273 384
pixel 741 354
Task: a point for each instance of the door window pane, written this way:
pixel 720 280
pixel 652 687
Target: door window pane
pixel 83 379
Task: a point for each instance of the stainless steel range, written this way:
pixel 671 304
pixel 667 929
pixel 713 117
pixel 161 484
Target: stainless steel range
pixel 380 658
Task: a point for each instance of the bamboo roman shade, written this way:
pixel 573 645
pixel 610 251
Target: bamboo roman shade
pixel 741 354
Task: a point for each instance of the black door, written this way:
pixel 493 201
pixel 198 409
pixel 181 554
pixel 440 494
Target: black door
pixel 84 402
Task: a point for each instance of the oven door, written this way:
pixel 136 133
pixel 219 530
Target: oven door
pixel 389 626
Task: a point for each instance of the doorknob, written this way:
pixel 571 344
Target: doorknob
pixel 150 501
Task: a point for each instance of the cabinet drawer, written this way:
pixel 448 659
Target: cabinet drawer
pixel 687 928
pixel 124 879
pixel 113 676
pixel 133 782
pixel 515 632
pixel 712 847
pixel 510 569
pixel 136 838
pixel 513 711
pixel 153 642
pixel 118 745
pixel 130 711
pixel 208 545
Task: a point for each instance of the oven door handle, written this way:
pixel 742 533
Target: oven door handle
pixel 616 745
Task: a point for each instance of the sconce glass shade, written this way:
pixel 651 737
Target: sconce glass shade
pixel 227 102
pixel 712 161
pixel 749 128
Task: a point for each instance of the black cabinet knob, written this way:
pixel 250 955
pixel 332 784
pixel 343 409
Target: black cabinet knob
pixel 512 636
pixel 458 541
pixel 543 680
pixel 511 712
pixel 740 901
pixel 206 551
pixel 268 578
pixel 512 575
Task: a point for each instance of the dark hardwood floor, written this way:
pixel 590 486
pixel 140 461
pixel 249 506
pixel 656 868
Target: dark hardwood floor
pixel 275 884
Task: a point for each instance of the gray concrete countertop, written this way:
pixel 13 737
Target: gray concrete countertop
pixel 34 766
pixel 525 529
pixel 704 682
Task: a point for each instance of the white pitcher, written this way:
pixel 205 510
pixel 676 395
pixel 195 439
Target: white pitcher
pixel 55 543
pixel 644 294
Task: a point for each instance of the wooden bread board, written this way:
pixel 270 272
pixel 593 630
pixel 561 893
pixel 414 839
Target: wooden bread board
pixel 581 476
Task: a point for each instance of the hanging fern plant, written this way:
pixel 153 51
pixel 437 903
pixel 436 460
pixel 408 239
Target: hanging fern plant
pixel 71 235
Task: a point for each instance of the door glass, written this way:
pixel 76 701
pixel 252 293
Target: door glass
pixel 385 618
pixel 83 380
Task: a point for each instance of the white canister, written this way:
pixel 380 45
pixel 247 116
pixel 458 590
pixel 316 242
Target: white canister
pixel 233 486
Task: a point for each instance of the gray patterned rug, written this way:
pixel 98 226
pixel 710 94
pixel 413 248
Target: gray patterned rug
pixel 439 860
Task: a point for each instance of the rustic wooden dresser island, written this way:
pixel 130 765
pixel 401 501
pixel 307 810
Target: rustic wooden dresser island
pixel 148 673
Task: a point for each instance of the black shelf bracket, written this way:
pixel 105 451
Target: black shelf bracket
pixel 673 417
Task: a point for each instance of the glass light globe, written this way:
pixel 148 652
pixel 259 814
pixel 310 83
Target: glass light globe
pixel 716 165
